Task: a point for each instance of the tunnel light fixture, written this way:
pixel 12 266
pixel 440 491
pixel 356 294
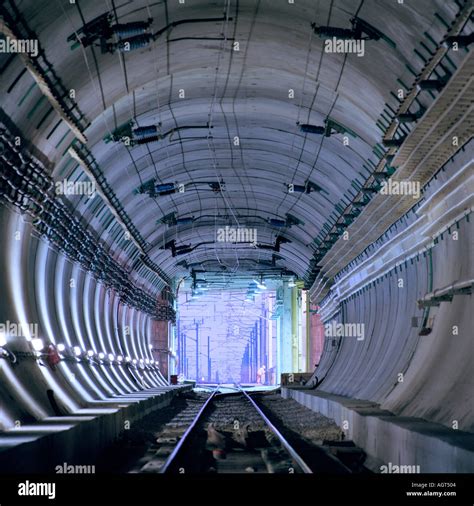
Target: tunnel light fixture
pixel 90 353
pixel 119 358
pixel 147 361
pixel 77 351
pixel 61 347
pixel 134 361
pixel 101 356
pixel 128 359
pixel 150 346
pixel 37 344
pixel 110 357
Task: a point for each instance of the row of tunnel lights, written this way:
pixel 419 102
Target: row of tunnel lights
pixel 79 353
pixel 39 346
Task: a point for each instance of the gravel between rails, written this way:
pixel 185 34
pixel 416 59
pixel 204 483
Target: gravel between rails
pixel 231 412
pixel 310 425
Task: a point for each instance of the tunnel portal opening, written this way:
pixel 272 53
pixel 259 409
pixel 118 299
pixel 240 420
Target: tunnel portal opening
pixel 250 331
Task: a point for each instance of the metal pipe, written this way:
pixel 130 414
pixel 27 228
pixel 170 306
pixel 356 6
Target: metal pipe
pixel 447 292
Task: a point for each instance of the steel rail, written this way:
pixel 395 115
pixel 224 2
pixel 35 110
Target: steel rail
pixel 300 462
pixel 174 453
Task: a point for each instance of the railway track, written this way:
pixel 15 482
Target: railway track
pixel 223 433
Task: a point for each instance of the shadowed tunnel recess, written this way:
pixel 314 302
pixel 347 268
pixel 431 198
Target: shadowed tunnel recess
pixel 152 147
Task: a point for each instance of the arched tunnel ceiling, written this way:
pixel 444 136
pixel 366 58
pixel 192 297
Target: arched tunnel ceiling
pixel 229 93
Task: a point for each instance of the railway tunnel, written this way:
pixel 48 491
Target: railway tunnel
pixel 273 194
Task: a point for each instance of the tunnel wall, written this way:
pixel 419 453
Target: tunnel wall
pixel 425 376
pixel 42 287
pixel 437 374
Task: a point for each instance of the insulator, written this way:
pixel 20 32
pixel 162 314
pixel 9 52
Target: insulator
pixel 298 188
pixel 184 221
pixel 130 29
pixel 145 140
pixel 145 131
pixel 331 31
pixel 313 129
pixel 164 187
pixel 277 223
pixel 136 42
